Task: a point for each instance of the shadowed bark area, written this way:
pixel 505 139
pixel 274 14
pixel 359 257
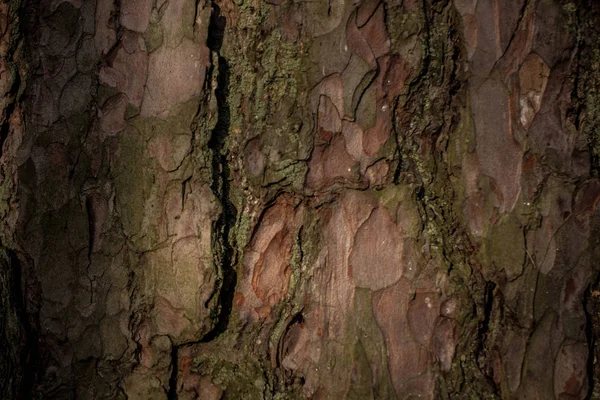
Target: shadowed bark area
pixel 239 199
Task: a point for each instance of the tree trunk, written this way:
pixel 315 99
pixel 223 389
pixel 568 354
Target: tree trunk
pixel 300 199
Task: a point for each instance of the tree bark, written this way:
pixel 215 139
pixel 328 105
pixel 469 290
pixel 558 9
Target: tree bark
pixel 238 199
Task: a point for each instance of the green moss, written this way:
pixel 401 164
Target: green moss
pixel 282 66
pixel 422 141
pixel 288 171
pixel 261 92
pixel 267 77
pixel 243 230
pixel 296 263
pixel 238 381
pixel 402 24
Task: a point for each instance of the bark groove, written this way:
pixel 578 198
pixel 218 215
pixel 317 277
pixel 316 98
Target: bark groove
pixel 275 200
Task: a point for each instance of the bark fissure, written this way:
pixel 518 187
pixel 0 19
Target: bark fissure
pixel 288 200
pixel 223 247
pixel 172 389
pixel 221 180
pixel 421 115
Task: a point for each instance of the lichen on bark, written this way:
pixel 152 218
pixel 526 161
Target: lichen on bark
pixel 280 200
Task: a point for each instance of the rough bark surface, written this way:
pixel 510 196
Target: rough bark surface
pixel 326 199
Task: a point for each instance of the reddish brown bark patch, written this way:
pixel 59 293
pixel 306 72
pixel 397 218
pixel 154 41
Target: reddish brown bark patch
pixel 266 264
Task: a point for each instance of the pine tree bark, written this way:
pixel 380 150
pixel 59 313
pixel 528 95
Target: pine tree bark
pixel 274 200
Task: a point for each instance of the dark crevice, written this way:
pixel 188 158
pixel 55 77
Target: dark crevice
pixel 10 107
pixel 223 249
pixel 184 186
pixel 216 30
pixel 487 312
pixel 380 4
pixel 30 356
pixel 484 330
pixel 425 118
pixel 172 393
pixel 586 81
pixel 297 319
pixel 221 181
pixel 4 129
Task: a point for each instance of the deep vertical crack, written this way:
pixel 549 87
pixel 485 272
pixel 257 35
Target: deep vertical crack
pixel 223 248
pixel 30 355
pixel 421 127
pixel 172 394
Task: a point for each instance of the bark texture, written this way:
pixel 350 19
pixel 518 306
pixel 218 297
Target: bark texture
pixel 241 199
